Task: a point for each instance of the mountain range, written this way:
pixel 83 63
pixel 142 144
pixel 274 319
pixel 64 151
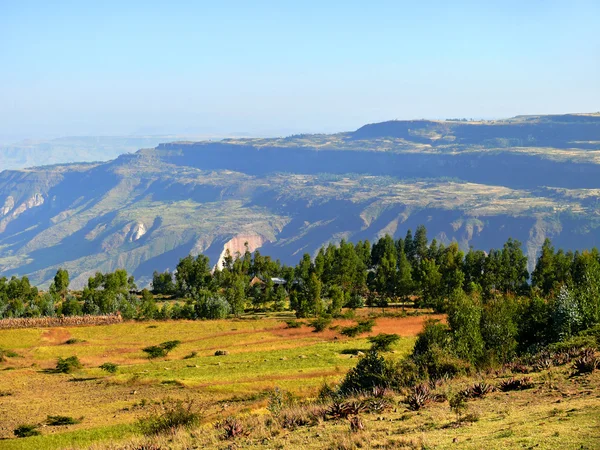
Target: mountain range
pixel 474 182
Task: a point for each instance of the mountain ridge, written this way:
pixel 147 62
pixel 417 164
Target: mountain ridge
pixel 143 211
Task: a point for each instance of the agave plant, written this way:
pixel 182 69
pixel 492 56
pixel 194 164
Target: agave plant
pixel 232 428
pixel 356 424
pixel 478 390
pixel 419 397
pixel 341 410
pixel 516 384
pixel 586 364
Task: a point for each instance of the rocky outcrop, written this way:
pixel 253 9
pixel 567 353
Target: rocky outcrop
pixel 238 244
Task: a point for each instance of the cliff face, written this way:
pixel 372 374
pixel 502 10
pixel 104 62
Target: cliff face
pixel 288 196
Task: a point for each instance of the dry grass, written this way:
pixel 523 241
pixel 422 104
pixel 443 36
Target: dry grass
pixel 46 322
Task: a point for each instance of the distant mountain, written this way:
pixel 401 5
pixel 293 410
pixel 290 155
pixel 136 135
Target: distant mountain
pixel 478 183
pixel 33 153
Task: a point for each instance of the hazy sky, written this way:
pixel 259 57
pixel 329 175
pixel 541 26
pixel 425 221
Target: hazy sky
pixel 113 67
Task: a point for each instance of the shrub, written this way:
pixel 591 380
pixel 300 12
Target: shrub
pixel 54 421
pixel 221 353
pixel 458 405
pixel 438 364
pixel 212 308
pixel 191 355
pixel 161 350
pixel 383 341
pixel 279 400
pixel 326 392
pixel 109 367
pixel 371 371
pixel 26 431
pixel 363 326
pixel 293 324
pixel 434 334
pixel 68 365
pixel 72 341
pixel 320 324
pixel 170 416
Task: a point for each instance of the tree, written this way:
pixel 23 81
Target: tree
pixel 236 295
pixel 499 328
pixel 464 317
pixel 193 275
pixel 405 284
pixel 431 282
pixel 420 243
pixel 544 274
pixel 513 274
pixel 337 300
pixel 566 317
pixel 162 283
pixel 60 285
pixel 148 309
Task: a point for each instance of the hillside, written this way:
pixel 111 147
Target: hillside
pixel 478 183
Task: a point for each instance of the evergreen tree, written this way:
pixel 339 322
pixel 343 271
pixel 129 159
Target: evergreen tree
pixel 544 275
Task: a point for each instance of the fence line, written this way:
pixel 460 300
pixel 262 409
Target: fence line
pixel 68 321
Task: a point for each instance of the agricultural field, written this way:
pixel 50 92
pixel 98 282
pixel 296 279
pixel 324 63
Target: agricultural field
pixel 263 353
pixel 265 356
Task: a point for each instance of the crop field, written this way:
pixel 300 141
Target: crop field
pixel 262 354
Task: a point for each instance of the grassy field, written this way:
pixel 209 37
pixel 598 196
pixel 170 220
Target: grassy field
pixel 263 354
pixel 560 411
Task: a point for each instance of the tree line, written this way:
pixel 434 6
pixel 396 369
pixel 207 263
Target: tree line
pixel 560 297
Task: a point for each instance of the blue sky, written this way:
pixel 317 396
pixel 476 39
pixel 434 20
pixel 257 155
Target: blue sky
pixel 277 67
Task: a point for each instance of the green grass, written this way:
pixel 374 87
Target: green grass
pixel 262 354
pixel 79 438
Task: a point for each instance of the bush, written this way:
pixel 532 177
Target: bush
pixel 109 367
pixel 212 308
pixel 161 350
pixel 68 365
pixel 55 421
pixel 434 334
pixel 293 324
pixel 170 416
pixel 438 363
pixel 191 355
pixel 363 326
pixel 371 371
pixel 320 324
pixel 72 341
pixel 26 431
pixel 221 353
pixel 383 342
